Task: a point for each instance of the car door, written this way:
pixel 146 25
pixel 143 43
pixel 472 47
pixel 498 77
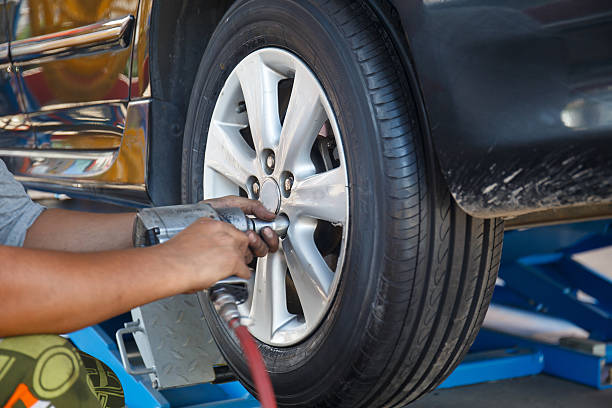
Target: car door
pixel 15 132
pixel 72 63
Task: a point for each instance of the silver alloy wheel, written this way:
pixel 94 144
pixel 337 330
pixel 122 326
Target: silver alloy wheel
pixel 273 128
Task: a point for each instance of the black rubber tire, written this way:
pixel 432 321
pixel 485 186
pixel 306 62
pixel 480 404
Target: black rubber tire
pixel 419 272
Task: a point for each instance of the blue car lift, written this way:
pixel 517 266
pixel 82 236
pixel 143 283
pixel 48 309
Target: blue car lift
pixel 549 283
pixel 539 274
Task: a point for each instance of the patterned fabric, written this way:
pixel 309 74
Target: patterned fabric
pixel 47 371
pixel 17 211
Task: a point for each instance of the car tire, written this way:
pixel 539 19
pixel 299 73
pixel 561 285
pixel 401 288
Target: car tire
pixel 417 272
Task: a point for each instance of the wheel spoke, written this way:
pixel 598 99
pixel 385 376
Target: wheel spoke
pixel 259 86
pixel 305 117
pixel 322 196
pixel 269 303
pixel 228 154
pixel 311 275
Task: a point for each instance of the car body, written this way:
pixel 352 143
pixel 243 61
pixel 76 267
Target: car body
pixel 516 97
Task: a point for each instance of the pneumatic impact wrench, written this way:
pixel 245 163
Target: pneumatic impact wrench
pixel 157 225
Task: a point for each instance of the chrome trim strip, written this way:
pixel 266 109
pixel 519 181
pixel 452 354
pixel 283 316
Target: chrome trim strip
pixel 73 105
pixel 60 154
pixel 111 33
pixel 4 53
pixel 130 195
pixel 81 187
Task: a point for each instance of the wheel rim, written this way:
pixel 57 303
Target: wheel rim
pixel 274 136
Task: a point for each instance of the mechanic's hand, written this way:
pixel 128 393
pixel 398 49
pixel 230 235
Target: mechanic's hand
pixel 259 247
pixel 206 252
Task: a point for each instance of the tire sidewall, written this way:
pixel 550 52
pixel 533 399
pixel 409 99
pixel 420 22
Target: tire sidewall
pixel 304 29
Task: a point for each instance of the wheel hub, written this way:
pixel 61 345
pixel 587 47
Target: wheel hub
pixel 270 196
pixel 273 151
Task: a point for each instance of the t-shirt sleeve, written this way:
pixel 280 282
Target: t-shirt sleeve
pixel 17 211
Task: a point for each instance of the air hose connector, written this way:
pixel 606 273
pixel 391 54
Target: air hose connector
pixel 225 305
pixel 225 296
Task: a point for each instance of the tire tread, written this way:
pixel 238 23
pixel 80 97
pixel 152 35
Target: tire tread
pixel 439 339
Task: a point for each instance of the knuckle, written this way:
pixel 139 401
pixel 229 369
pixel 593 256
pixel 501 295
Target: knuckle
pixel 223 239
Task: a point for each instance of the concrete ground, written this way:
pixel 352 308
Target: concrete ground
pixel 539 391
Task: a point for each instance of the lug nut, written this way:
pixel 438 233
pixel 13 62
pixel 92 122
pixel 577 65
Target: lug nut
pixel 288 184
pixel 270 161
pixel 255 188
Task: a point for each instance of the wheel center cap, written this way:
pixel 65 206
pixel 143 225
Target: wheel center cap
pixel 270 196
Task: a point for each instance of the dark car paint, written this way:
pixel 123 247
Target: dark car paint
pixel 14 127
pixel 519 99
pixel 516 95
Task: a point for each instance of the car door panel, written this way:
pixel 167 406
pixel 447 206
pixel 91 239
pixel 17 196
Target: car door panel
pixel 85 127
pixel 72 65
pixel 71 52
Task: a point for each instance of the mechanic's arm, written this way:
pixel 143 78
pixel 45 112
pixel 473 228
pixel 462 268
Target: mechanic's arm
pixel 75 231
pixel 45 291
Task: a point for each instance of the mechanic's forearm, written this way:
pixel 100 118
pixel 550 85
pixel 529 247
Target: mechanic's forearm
pixel 76 231
pixel 58 292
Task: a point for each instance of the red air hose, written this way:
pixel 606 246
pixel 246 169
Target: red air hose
pixel 263 385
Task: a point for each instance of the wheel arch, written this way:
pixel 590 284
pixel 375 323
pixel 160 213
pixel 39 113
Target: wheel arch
pixel 521 161
pixel 178 34
pixel 180 31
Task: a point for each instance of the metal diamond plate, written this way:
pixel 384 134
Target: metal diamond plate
pixel 177 341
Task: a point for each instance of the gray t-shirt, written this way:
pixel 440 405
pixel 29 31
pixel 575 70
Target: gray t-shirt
pixel 17 211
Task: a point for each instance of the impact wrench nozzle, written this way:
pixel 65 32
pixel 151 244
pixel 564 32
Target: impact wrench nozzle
pixel 244 223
